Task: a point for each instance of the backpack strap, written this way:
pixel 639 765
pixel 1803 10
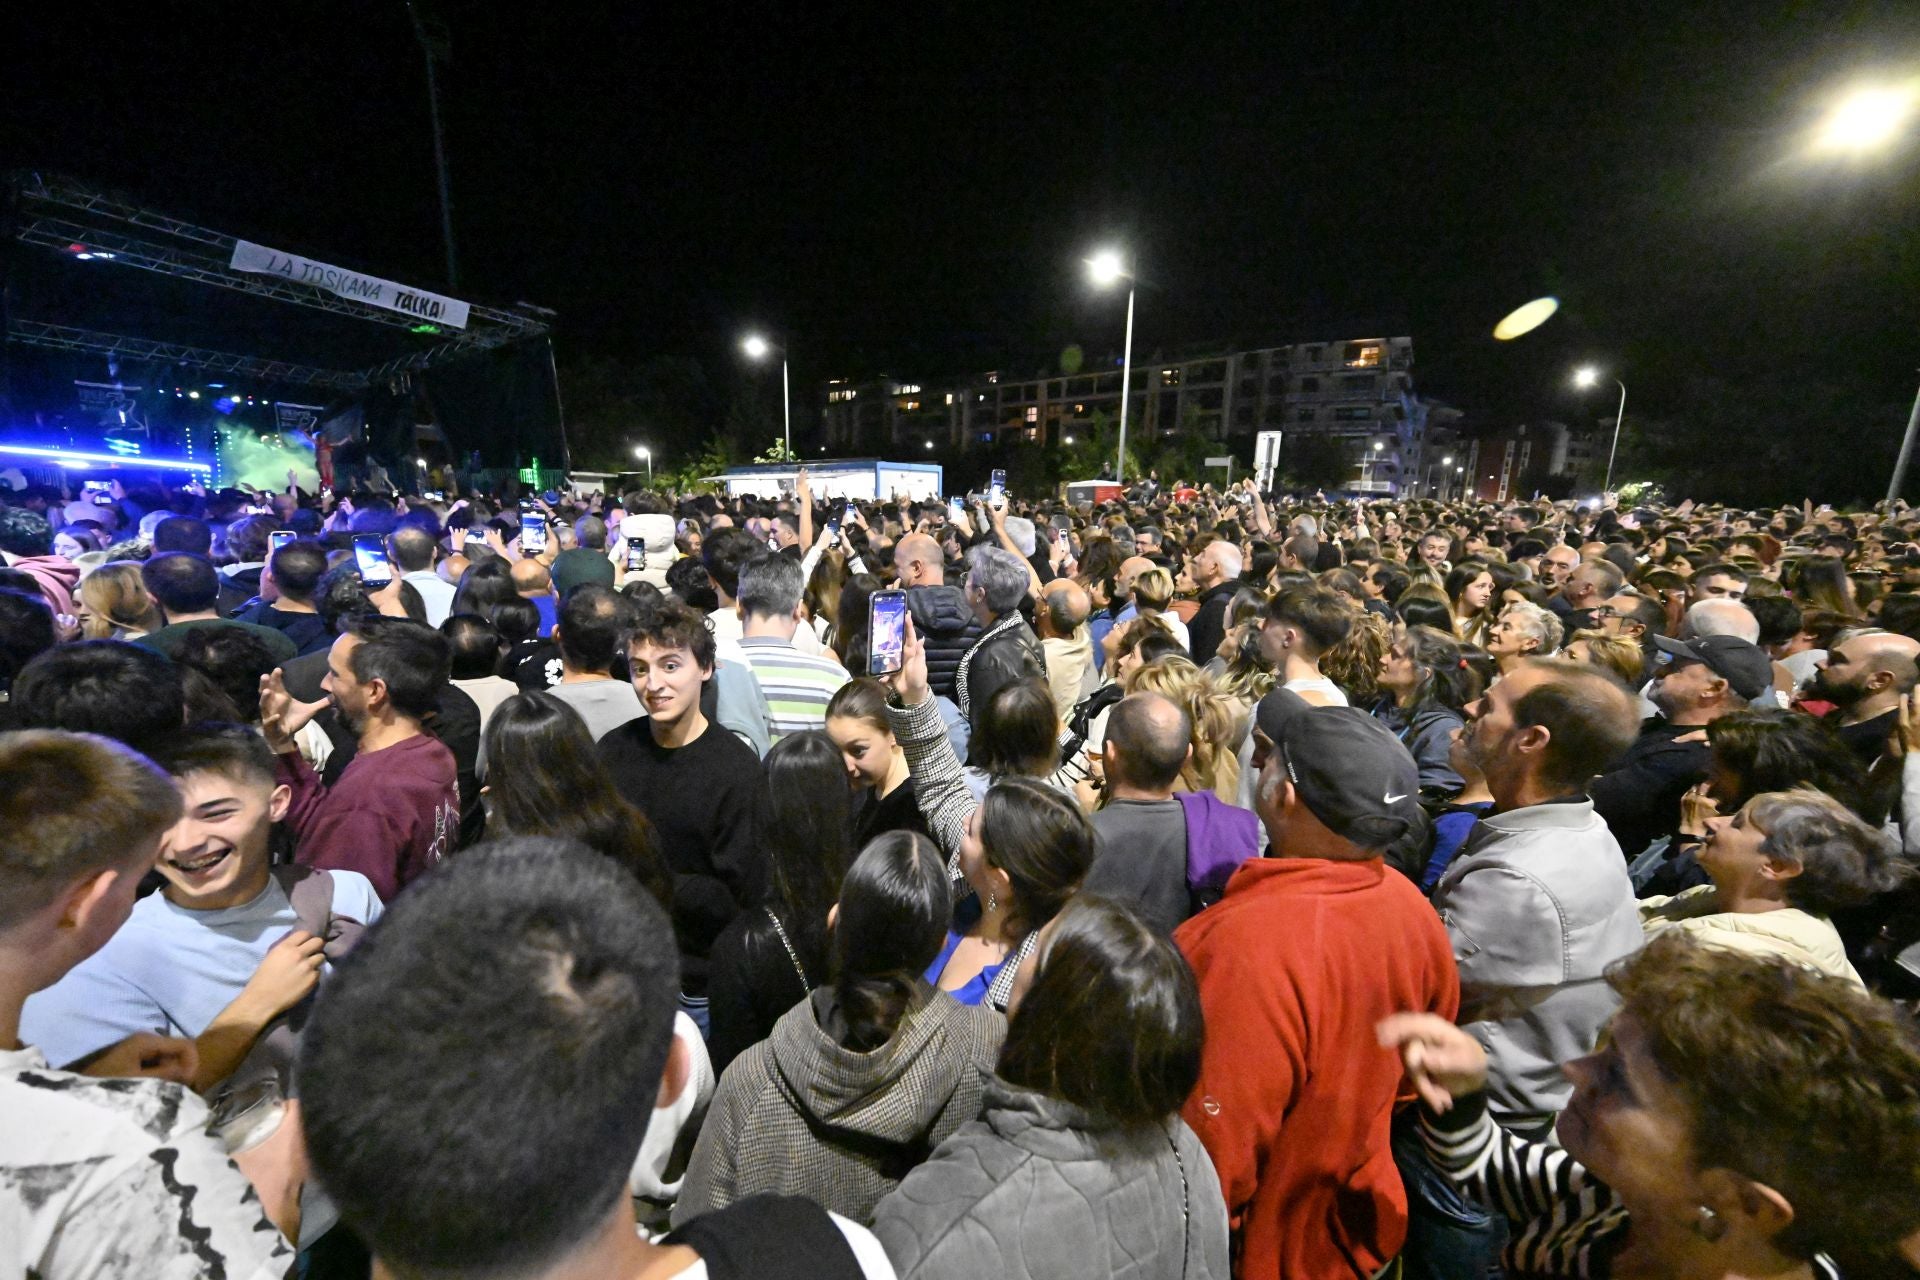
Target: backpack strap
pixel 769 1237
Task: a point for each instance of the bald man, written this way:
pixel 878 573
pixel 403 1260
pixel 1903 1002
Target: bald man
pixel 1066 642
pixel 532 582
pixel 1141 832
pixel 1119 609
pixel 1865 676
pixel 941 615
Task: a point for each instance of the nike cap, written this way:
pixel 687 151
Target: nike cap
pixel 1743 665
pixel 1349 769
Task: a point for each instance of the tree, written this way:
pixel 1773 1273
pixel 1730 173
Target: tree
pixel 1316 460
pixel 1091 454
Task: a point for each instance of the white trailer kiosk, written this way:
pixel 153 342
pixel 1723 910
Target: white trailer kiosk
pixel 860 479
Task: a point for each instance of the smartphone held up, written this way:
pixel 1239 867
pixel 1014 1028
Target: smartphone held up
pixel 886 632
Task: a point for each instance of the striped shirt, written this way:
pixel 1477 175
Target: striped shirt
pixel 798 685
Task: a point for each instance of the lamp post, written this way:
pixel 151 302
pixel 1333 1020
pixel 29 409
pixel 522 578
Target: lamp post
pixel 1588 376
pixel 758 348
pixel 1106 269
pixel 1869 119
pixel 645 455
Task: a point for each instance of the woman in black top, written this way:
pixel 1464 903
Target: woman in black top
pixel 857 723
pixel 774 954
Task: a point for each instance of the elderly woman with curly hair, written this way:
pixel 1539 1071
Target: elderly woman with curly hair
pixel 1746 1116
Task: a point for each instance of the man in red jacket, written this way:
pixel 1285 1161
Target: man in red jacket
pixel 1307 950
pixel 395 811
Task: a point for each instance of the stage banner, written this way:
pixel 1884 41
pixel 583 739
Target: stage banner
pixel 430 308
pixel 296 417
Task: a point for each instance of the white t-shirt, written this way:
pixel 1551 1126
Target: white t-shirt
pixel 1320 685
pixel 170 970
pixel 119 1178
pixel 660 1167
pixel 874 1264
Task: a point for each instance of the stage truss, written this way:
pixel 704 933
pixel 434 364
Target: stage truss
pixel 59 213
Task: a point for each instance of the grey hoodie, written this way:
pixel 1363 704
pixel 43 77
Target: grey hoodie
pixel 797 1114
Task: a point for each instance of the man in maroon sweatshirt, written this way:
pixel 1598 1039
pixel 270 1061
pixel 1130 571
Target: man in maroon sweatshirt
pixel 395 811
pixel 1296 1095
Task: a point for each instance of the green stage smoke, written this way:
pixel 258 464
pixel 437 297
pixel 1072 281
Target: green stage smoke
pixel 263 463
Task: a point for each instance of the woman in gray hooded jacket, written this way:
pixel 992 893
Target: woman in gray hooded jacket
pixel 868 1074
pixel 1080 1167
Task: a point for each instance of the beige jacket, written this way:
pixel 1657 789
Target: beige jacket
pixel 1799 936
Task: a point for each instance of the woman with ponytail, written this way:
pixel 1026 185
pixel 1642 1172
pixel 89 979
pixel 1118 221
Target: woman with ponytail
pixel 862 1080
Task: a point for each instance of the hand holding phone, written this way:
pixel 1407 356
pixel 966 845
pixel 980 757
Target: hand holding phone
pixel 533 530
pixel 886 632
pixel 370 557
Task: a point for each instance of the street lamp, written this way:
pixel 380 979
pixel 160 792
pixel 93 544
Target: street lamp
pixel 758 348
pixel 646 455
pixel 1871 118
pixel 1587 376
pixel 1866 119
pixel 1106 269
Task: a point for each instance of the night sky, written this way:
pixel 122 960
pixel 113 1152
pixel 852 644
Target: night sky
pixel 911 190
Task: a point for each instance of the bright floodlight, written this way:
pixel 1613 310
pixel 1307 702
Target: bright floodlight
pixel 1586 376
pixel 1525 319
pixel 640 451
pixel 755 346
pixel 1105 267
pixel 1866 119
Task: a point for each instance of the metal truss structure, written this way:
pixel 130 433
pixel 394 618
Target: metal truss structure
pixel 59 213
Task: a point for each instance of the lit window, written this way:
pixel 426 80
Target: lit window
pixel 1079 408
pixel 1363 355
pixel 949 397
pixel 993 377
pixel 1033 413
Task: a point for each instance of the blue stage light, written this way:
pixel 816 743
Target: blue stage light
pixel 75 458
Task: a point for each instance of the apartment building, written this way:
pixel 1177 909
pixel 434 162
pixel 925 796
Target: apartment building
pixel 1359 391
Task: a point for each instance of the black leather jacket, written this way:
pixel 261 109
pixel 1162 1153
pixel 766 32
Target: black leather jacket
pixel 1008 651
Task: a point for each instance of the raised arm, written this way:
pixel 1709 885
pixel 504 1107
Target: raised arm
pixel 939 781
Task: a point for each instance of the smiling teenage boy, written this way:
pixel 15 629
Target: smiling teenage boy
pixel 218 953
pixel 695 781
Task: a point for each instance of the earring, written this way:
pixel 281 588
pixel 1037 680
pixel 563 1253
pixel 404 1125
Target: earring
pixel 1709 1226
pixel 992 901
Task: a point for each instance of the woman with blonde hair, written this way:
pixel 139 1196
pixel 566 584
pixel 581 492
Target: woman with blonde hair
pixel 1217 718
pixel 114 603
pixel 1152 594
pixel 1617 654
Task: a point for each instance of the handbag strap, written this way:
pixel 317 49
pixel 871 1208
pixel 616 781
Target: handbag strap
pixel 806 987
pixel 1186 1220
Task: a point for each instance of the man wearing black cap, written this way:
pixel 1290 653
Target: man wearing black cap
pixel 1307 948
pixel 1695 683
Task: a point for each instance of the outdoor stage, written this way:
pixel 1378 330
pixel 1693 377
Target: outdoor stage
pixel 135 339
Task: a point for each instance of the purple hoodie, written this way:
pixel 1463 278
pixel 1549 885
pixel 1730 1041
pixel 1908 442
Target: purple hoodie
pixel 1220 837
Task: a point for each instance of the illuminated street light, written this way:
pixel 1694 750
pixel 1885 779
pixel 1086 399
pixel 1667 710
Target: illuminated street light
pixel 1106 269
pixel 1867 119
pixel 645 454
pixel 1588 376
pixel 758 348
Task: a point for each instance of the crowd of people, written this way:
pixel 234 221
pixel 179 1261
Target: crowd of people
pixel 1217 885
